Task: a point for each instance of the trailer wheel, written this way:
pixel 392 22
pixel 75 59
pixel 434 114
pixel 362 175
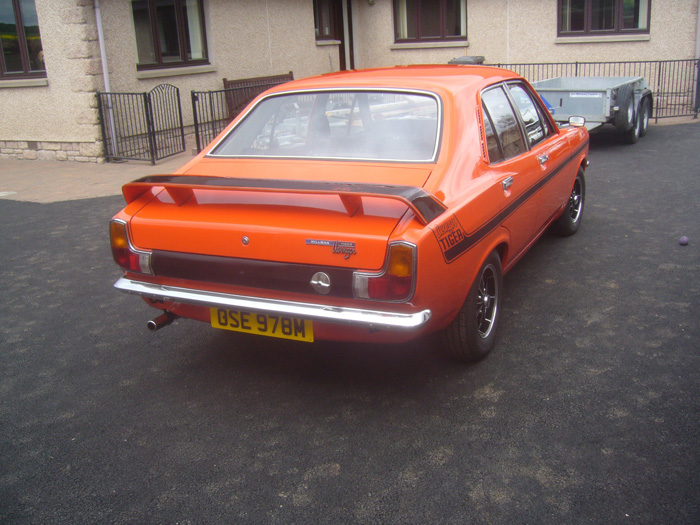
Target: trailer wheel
pixel 644 115
pixel 624 117
pixel 631 136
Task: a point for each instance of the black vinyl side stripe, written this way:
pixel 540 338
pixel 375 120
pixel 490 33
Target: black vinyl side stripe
pixel 470 240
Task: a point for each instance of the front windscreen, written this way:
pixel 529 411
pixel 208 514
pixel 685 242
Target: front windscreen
pixel 362 125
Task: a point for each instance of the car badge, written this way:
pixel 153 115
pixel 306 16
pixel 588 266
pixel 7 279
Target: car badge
pixel 321 283
pixel 343 247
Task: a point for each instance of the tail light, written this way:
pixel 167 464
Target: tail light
pixel 125 255
pixel 395 282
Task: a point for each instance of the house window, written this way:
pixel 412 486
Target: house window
pixel 430 20
pixel 328 21
pixel 20 40
pixel 597 17
pixel 169 33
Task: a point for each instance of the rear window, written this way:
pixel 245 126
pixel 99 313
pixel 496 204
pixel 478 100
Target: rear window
pixel 358 125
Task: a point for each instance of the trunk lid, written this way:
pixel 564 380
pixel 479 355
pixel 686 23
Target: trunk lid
pixel 318 228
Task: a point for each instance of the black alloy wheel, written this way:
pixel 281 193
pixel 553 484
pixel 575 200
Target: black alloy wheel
pixel 570 220
pixel 472 334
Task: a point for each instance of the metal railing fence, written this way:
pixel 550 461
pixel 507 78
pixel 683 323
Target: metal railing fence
pixel 213 110
pixel 142 126
pixel 675 84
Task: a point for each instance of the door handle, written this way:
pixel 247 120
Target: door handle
pixel 543 158
pixel 507 183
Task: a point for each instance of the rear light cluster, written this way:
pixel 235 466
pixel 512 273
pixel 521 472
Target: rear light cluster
pixel 395 282
pixel 125 255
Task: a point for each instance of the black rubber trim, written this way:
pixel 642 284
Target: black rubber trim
pixel 268 275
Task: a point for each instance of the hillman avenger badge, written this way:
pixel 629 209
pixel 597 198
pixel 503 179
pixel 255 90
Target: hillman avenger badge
pixel 346 248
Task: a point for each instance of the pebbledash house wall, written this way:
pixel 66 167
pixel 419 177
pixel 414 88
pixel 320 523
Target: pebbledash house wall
pixel 57 117
pixel 525 31
pixel 54 118
pixel 245 39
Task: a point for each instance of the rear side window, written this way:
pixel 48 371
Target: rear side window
pixel 535 125
pixel 507 129
pixel 491 141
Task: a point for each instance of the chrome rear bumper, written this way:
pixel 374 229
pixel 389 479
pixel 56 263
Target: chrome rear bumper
pixel 352 316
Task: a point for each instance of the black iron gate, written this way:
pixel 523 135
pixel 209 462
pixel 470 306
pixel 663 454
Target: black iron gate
pixel 142 126
pixel 213 110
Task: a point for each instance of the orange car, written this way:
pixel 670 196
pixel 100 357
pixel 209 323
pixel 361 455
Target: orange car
pixel 371 206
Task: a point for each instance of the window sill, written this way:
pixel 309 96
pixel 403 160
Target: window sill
pixel 597 39
pixel 430 45
pixel 328 42
pixel 23 82
pixel 174 71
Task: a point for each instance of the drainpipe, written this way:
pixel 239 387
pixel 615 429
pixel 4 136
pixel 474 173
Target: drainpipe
pixel 697 37
pixel 105 74
pixel 697 65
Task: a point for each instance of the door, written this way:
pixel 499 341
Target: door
pixel 333 21
pixel 516 172
pixel 548 149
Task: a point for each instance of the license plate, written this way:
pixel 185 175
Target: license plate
pixel 280 326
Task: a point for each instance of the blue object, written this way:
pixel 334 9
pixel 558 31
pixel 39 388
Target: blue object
pixel 549 106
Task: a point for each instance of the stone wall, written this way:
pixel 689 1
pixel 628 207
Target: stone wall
pixel 57 117
pixel 70 151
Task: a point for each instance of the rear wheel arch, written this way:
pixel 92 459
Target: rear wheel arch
pixel 472 333
pixel 583 165
pixel 569 221
pixel 502 250
pixel 469 269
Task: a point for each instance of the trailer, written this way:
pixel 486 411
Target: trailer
pixel 625 102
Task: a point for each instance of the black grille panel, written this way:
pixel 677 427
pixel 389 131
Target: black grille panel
pixel 268 275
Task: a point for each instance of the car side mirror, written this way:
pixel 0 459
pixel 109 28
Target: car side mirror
pixel 577 122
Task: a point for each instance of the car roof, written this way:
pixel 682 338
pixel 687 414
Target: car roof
pixel 436 78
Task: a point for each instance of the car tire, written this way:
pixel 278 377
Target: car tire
pixel 472 334
pixel 644 116
pixel 624 117
pixel 570 220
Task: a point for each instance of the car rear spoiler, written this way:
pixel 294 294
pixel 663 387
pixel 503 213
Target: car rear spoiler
pixel 180 187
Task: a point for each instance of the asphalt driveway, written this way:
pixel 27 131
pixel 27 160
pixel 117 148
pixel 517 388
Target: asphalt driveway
pixel 587 412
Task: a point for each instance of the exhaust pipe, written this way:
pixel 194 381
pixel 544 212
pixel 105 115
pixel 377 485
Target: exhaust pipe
pixel 161 321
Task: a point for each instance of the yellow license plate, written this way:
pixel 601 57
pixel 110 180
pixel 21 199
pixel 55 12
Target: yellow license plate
pixel 280 326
